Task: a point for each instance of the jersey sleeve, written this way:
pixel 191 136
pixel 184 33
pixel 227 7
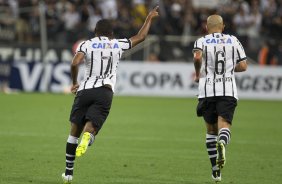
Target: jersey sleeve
pixel 124 44
pixel 240 52
pixel 198 45
pixel 81 47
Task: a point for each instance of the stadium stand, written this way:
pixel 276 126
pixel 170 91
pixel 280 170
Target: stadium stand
pixel 257 23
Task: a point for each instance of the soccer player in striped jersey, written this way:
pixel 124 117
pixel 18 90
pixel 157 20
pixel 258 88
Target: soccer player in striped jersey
pixel 217 57
pixel 93 99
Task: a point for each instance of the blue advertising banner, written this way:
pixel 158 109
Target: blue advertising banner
pixel 24 68
pixel 34 76
pixel 140 78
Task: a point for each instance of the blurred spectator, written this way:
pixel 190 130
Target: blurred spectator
pixel 34 23
pixel 228 10
pixel 139 13
pixel 108 8
pixel 270 6
pixel 175 15
pixel 242 22
pixel 22 23
pixel 76 44
pixel 153 57
pixel 123 26
pixel 61 6
pixel 71 19
pixel 202 15
pixel 254 29
pixel 14 7
pixel 189 23
pixel 54 24
pixel 267 54
pixel 94 16
pixel 280 53
pixel 7 22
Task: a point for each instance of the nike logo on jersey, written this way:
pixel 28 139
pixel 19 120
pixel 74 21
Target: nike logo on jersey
pixel 105 46
pixel 219 41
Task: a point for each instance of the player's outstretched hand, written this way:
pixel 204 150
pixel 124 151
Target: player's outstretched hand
pixel 74 88
pixel 153 13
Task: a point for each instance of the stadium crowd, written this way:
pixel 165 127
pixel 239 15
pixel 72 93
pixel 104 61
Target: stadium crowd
pixel 257 23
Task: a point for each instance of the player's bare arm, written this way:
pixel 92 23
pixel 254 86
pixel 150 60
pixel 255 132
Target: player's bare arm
pixel 241 67
pixel 77 59
pixel 197 63
pixel 143 32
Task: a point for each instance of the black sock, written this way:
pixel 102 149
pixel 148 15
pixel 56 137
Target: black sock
pixel 224 136
pixel 211 141
pixel 70 154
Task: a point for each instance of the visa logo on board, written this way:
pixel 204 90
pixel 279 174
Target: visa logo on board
pixel 105 46
pixel 219 41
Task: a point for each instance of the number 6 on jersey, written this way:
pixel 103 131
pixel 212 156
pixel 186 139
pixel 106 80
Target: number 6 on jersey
pixel 220 63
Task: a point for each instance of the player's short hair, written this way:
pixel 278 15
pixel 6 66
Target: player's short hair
pixel 104 27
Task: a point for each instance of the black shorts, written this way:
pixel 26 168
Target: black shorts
pixel 212 107
pixel 92 105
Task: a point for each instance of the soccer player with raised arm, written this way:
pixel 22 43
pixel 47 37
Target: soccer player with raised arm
pixel 93 99
pixel 217 57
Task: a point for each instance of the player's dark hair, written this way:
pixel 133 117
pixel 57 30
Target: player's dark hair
pixel 104 27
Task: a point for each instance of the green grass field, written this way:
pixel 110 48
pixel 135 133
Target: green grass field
pixel 144 141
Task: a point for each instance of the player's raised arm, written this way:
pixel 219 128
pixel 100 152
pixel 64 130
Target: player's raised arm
pixel 77 59
pixel 143 32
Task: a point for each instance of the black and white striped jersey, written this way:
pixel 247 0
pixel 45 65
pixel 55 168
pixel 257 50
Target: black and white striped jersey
pixel 221 53
pixel 102 57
